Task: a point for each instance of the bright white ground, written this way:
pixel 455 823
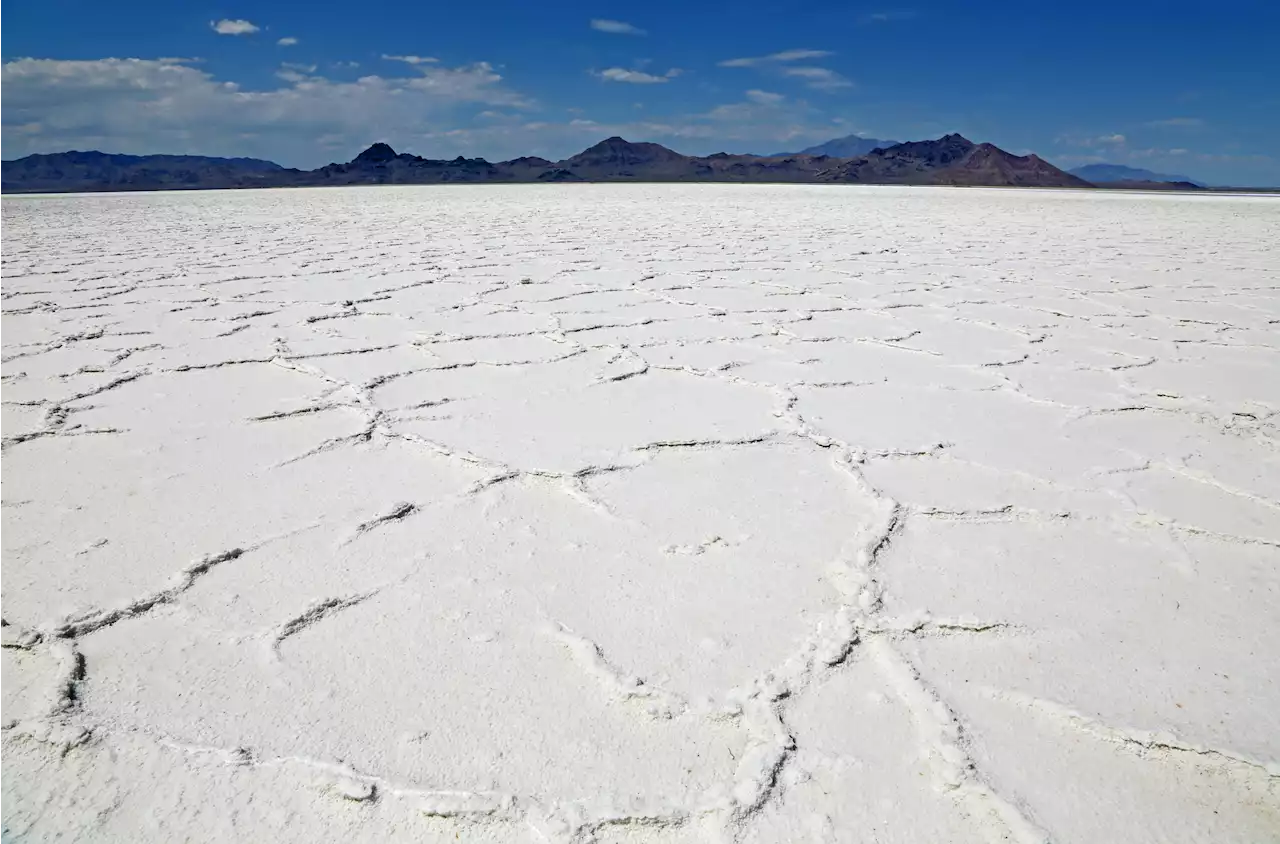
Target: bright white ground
pixel 642 513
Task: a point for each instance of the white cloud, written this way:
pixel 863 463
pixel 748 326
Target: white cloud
pixel 287 41
pixel 635 77
pixel 764 97
pixel 233 27
pixel 415 60
pixel 784 56
pixel 747 126
pixel 820 78
pixel 149 106
pixel 616 27
pixel 744 126
pixel 1113 140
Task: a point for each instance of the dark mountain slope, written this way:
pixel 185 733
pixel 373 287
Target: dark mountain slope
pixel 952 160
pixel 990 165
pixel 97 171
pixel 618 159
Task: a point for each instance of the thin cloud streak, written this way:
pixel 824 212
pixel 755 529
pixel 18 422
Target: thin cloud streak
pixel 783 56
pixel 616 27
pixel 635 77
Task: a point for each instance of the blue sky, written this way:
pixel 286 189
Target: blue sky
pixel 1179 86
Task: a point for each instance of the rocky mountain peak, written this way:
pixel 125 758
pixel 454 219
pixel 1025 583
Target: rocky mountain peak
pixel 376 154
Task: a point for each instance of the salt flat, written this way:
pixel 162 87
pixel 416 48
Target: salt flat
pixel 641 513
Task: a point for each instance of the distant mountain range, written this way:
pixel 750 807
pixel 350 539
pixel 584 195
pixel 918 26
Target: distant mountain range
pixel 1098 173
pixel 949 160
pixel 100 171
pixel 850 146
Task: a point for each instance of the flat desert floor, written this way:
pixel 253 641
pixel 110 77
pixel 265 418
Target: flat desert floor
pixel 641 513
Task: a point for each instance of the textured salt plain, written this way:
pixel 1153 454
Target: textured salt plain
pixel 642 513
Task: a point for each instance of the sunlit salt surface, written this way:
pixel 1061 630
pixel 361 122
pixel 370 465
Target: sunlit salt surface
pixel 641 513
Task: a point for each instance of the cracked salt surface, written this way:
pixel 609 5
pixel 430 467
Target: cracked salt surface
pixel 641 513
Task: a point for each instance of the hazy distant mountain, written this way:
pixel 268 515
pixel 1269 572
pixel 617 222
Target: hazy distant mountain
pixel 1120 173
pixel 94 171
pixel 1128 185
pixel 850 146
pixel 950 160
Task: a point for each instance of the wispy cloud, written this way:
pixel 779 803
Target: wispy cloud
pixel 889 16
pixel 1181 122
pixel 781 63
pixel 287 41
pixel 1153 152
pixel 616 27
pixel 784 56
pixel 233 27
pixel 635 77
pixel 764 97
pixel 821 78
pixel 1075 140
pixel 295 72
pixel 411 59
